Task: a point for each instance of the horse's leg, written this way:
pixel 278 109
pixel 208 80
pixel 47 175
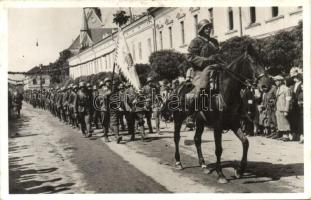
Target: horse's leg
pixel 240 170
pixel 198 141
pixel 218 152
pixel 177 127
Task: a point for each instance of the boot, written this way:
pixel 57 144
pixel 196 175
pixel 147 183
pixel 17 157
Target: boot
pixel 142 132
pixel 278 135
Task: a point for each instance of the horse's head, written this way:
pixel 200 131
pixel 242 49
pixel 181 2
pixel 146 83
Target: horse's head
pixel 250 70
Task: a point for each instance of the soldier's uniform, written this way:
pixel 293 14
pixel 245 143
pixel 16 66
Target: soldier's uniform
pixel 134 105
pixel 65 96
pixel 154 101
pixel 71 106
pixel 105 92
pixel 114 109
pixel 83 110
pixel 59 103
pixel 122 111
pixel 96 114
pixel 203 58
pixel 17 102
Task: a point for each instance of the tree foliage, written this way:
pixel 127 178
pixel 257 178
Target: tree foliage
pixel 120 18
pixel 165 63
pixel 143 71
pixel 278 53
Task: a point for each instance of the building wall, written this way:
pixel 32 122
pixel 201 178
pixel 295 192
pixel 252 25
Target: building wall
pixel 29 82
pixel 144 35
pixel 139 37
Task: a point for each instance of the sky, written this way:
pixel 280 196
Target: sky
pixel 53 28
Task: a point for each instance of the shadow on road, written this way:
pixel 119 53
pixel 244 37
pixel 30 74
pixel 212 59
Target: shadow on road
pixel 16 124
pixel 26 178
pixel 23 179
pixel 264 170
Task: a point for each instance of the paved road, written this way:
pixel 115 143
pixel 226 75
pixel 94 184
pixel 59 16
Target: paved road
pixel 47 156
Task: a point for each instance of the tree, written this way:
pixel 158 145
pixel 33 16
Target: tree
pixel 120 18
pixel 165 63
pixel 143 71
pixel 235 46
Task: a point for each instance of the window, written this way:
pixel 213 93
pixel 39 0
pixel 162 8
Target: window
pixel 140 51
pixel 171 36
pixel 43 80
pixel 275 11
pixel 182 27
pixel 149 45
pixel 161 40
pixel 34 81
pixel 195 18
pixel 230 15
pixel 252 13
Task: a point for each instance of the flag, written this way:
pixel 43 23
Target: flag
pixel 124 61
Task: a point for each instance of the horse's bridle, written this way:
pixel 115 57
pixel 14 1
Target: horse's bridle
pixel 242 79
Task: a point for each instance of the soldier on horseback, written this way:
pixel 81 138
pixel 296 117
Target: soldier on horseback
pixel 203 60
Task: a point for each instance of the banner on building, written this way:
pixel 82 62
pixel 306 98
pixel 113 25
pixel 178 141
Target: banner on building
pixel 124 61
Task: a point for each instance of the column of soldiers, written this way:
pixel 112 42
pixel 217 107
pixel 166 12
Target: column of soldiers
pixel 88 107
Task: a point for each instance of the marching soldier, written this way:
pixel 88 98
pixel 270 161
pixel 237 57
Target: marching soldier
pixel 17 100
pixel 105 92
pixel 64 107
pixel 122 111
pixel 114 110
pixel 83 110
pixel 152 93
pixel 96 115
pixel 72 100
pixel 58 103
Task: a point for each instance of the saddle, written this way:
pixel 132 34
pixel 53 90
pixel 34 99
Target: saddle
pixel 208 99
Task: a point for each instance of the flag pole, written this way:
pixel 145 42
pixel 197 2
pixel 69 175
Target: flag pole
pixel 112 77
pixel 114 62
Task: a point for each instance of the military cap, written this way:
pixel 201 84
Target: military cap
pixel 101 83
pixel 75 86
pixel 81 84
pixel 121 86
pixel 175 81
pixel 278 78
pixel 107 79
pixel 149 79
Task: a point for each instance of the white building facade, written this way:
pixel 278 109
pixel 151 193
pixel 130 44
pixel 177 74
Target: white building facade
pixel 174 28
pixel 33 82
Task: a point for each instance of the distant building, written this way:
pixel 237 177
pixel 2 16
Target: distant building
pixel 173 28
pixel 33 82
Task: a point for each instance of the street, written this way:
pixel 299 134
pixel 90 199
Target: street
pixel 47 156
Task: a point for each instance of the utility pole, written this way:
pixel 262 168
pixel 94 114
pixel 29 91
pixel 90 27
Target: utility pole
pixel 240 16
pixel 131 15
pixel 41 78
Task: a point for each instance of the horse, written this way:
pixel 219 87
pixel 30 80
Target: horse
pixel 237 75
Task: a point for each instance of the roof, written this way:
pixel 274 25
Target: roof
pixel 37 69
pixel 76 43
pixel 97 34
